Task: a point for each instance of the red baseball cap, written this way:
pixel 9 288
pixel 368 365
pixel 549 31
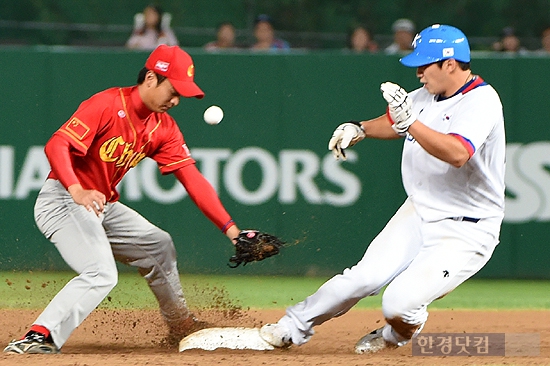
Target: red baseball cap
pixel 177 66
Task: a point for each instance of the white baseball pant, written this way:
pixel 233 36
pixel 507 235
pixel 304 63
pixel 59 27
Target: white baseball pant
pixel 419 261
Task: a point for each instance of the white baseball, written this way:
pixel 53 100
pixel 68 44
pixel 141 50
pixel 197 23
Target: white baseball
pixel 213 115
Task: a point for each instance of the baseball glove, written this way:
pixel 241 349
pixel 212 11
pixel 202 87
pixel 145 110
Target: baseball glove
pixel 253 246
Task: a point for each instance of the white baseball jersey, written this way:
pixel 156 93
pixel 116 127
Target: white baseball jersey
pixel 419 254
pixel 437 189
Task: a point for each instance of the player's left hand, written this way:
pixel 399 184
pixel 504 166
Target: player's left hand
pixel 400 111
pixel 346 135
pixel 253 246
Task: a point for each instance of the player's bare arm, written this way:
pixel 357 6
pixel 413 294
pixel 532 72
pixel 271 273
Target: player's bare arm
pixel 232 233
pixel 379 128
pixel 444 147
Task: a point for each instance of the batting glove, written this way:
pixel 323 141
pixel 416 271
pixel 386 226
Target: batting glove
pixel 345 135
pixel 400 111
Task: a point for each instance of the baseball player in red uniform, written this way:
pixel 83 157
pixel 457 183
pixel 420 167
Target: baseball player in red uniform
pixel 78 209
pixel 447 228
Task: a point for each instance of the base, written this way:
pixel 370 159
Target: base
pixel 232 338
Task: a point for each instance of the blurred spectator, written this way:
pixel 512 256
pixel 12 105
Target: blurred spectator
pixel 360 40
pixel 151 28
pixel 403 34
pixel 225 38
pixel 509 42
pixel 545 41
pixel 265 35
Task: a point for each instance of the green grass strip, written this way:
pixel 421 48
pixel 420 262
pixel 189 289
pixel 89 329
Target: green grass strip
pixel 33 290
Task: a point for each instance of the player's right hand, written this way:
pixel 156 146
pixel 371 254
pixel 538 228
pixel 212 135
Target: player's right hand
pixel 344 136
pixel 400 112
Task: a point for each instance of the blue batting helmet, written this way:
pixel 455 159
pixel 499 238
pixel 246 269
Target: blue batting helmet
pixel 437 43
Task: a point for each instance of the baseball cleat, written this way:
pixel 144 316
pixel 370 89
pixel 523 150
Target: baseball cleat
pixel 33 343
pixel 176 332
pixel 373 342
pixel 276 335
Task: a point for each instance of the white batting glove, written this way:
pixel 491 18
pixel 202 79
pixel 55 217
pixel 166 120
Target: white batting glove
pixel 399 110
pixel 344 136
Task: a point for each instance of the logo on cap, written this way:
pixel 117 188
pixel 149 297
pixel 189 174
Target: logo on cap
pixel 448 52
pixel 162 65
pixel 191 70
pixel 415 40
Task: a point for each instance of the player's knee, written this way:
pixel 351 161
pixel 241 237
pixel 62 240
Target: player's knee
pixel 163 237
pixel 160 258
pixel 391 309
pixel 405 315
pixel 109 277
pixel 166 244
pixel 396 304
pixel 102 277
pixel 404 330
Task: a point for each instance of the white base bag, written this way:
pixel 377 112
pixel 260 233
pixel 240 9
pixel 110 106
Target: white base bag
pixel 232 338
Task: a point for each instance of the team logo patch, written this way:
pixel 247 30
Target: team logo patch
pixel 416 40
pixel 191 70
pixel 448 52
pixel 77 128
pixel 162 66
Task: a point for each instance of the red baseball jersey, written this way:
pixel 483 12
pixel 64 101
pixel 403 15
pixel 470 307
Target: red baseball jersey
pixel 112 131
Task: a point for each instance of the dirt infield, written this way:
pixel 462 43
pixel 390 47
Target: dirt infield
pixel 113 338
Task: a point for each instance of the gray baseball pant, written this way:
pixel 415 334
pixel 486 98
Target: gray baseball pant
pixel 90 245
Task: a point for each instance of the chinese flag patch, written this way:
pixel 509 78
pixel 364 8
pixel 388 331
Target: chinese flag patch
pixel 77 128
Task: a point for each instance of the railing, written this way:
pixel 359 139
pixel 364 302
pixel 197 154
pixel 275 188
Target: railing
pixel 27 32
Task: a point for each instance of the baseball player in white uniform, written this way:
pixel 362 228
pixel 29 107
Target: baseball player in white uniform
pixel 447 228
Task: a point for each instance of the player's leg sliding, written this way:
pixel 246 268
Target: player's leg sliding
pixel 280 336
pixel 296 327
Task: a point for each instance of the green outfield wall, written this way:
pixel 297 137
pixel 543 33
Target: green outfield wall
pixel 268 159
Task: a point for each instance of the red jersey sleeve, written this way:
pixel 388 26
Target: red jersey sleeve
pixel 57 152
pixel 204 196
pixel 173 153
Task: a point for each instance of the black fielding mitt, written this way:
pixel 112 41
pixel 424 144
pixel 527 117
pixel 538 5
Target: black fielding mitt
pixel 253 246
